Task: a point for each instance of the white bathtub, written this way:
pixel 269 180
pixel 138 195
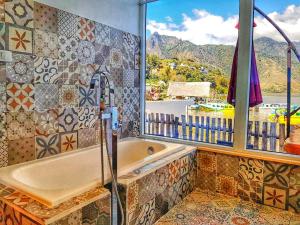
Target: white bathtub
pixel 56 179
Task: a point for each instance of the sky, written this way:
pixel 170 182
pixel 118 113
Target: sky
pixel 213 21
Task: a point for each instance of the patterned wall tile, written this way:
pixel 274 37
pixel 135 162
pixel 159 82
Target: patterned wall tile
pixel 3 126
pixel 68 141
pixel 128 59
pixel 68 96
pixel 86 52
pixel 19 39
pixel 184 166
pixel 2 97
pixel 68 47
pixel 276 174
pixel 227 165
pixel 117 77
pixel 2 11
pixel 129 41
pixel 294 201
pixel 97 212
pixel 294 178
pixel 86 30
pixel 147 214
pixel 20 70
pixel 45 44
pixel 67 23
pixel 275 197
pixel 102 33
pixel 86 73
pixel 116 38
pixel 46 96
pixel 20 124
pixel 87 97
pixel 116 58
pixel 2 72
pixel 250 190
pixel 174 172
pixel 19 12
pixel 162 179
pixel 75 218
pixel 2 36
pixel 146 186
pixel 137 58
pixel 132 197
pixel 68 71
pixel 21 150
pixel 86 117
pixel 20 96
pixel 86 137
pixel 226 185
pixel 128 78
pixel 251 169
pixel 207 161
pixel 46 122
pixel 45 17
pixel 102 55
pixel 68 119
pixel 3 153
pixel 207 181
pixel 45 70
pixel 47 145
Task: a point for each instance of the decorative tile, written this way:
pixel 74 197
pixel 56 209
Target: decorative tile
pixel 207 181
pixel 128 59
pixel 174 172
pixel 294 178
pixel 21 150
pixel 102 55
pixel 86 52
pixel 47 145
pixel 97 212
pixel 86 30
pixel 137 58
pixel 3 127
pixel 20 96
pixel 207 161
pixel 294 201
pixel 69 72
pixel 251 169
pixel 68 119
pixel 227 165
pixel 19 39
pixel 184 166
pixel 87 117
pixel 146 186
pixel 3 153
pixel 131 104
pixel 128 78
pixel 86 73
pixel 117 77
pixel 116 58
pixel 67 24
pixel 147 214
pixel 162 179
pixel 68 141
pixel 2 97
pixel 20 70
pixel 102 33
pixel 129 41
pixel 132 197
pixel 87 97
pixel 20 124
pixel 2 35
pixel 276 174
pixel 2 11
pixel 116 38
pixel 45 44
pixel 75 218
pixel 86 137
pixel 68 96
pixel 275 197
pixel 2 72
pixel 46 96
pixel 46 122
pixel 45 17
pixel 249 190
pixel 67 48
pixel 45 70
pixel 226 185
pixel 19 12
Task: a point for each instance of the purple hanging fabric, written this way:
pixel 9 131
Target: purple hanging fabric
pixel 255 97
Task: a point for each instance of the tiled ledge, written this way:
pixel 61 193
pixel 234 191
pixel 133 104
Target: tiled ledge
pixel 39 214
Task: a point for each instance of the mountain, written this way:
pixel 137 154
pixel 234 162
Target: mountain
pixel 271 58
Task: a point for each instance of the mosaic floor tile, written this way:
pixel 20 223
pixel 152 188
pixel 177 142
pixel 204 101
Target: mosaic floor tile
pixel 102 55
pixel 68 48
pixel 116 58
pixel 19 39
pixel 250 190
pixel 147 214
pixel 102 34
pixel 294 201
pixel 68 96
pixel 45 70
pixel 227 165
pixel 68 71
pixel 86 73
pixel 251 169
pixel 87 97
pixel 86 52
pixel 46 122
pixel 68 141
pixel 21 150
pixel 74 218
pixel 2 97
pixel 20 96
pixel 68 119
pixel 67 24
pixel 294 178
pixel 46 96
pixel 2 35
pixel 3 153
pixel 19 12
pixel 86 30
pixel 226 185
pixel 117 77
pixel 20 70
pixel 45 44
pixel 45 17
pixel 20 124
pixel 47 145
pixel 116 38
pixel 86 117
pixel 295 220
pixel 86 137
pixel 275 197
pixel 276 174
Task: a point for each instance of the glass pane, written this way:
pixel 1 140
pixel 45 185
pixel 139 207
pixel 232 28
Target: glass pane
pixel 190 51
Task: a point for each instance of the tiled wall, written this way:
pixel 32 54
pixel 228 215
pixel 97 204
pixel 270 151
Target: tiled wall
pixel 264 182
pixel 46 106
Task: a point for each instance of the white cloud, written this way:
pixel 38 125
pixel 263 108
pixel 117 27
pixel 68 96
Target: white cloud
pixel 169 19
pixel 207 28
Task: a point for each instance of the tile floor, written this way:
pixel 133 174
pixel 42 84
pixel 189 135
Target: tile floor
pixel 206 208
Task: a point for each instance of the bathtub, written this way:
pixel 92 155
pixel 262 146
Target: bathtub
pixel 56 179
